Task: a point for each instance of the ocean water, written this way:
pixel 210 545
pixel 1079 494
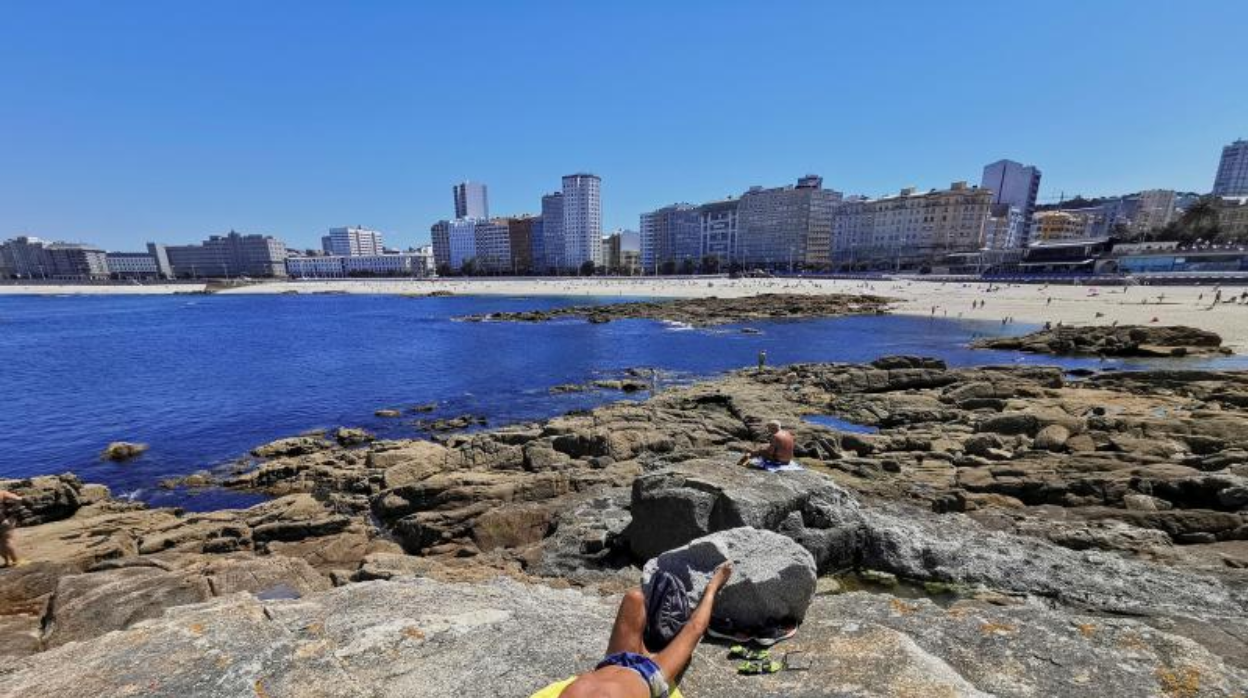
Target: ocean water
pixel 203 379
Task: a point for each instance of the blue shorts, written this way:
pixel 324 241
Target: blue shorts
pixel 644 666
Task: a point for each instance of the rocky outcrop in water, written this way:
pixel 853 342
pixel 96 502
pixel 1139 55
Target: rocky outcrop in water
pixel 122 450
pixel 1105 340
pixel 709 311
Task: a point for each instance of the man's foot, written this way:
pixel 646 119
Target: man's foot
pixel 722 573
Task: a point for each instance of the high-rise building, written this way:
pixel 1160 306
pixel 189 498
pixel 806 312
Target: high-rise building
pixel 227 255
pixel 552 232
pixel 582 220
pixel 353 242
pixel 718 232
pixel 787 227
pixel 1232 177
pixel 537 245
pixel 1015 184
pixel 470 200
pixel 461 242
pixel 670 238
pixel 492 244
pixel 440 238
pixel 520 239
pixel 1155 208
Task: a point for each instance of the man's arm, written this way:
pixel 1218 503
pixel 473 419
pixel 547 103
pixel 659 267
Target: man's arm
pixel 675 657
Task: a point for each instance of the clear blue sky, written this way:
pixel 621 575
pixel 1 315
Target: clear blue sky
pixel 128 121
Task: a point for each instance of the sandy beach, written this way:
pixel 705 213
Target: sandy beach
pixel 1014 304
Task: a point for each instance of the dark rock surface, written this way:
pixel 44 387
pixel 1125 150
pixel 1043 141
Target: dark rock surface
pixel 709 311
pixel 1117 340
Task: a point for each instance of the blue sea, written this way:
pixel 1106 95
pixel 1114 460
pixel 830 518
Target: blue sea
pixel 203 379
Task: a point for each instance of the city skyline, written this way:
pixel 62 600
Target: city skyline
pixel 210 121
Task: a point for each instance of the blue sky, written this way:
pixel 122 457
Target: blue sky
pixel 128 121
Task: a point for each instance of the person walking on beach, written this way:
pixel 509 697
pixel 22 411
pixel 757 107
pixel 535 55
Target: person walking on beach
pixel 8 522
pixel 762 359
pixel 629 670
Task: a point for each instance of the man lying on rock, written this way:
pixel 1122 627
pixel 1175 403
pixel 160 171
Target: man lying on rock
pixel 777 454
pixel 629 671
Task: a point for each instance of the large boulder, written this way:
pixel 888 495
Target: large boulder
pixel 772 583
pixel 674 506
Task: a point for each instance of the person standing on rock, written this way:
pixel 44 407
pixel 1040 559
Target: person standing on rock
pixel 8 522
pixel 777 452
pixel 629 670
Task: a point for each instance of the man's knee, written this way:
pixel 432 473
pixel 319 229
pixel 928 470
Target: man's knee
pixel 635 597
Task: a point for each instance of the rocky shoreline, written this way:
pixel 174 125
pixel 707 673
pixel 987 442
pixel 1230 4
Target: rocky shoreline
pixel 704 312
pixel 1113 340
pixel 1091 534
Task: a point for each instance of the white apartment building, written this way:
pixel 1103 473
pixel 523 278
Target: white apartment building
pixel 911 229
pixel 1154 210
pixel 132 264
pixel 320 267
pixel 418 263
pixel 353 241
pixel 1003 229
pixel 582 220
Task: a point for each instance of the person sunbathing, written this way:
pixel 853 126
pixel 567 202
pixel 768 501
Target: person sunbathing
pixel 777 452
pixel 629 670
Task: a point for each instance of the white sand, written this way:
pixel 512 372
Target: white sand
pixel 1024 303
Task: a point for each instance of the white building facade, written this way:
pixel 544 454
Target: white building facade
pixel 1154 210
pixel 417 263
pixel 582 220
pixel 352 241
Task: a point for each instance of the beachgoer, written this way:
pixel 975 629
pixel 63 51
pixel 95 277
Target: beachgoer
pixel 629 670
pixel 8 522
pixel 762 359
pixel 779 448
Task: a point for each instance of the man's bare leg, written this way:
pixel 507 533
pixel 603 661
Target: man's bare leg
pixel 675 657
pixel 7 551
pixel 630 624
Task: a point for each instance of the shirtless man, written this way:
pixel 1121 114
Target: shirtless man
pixel 629 671
pixel 779 449
pixel 8 522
